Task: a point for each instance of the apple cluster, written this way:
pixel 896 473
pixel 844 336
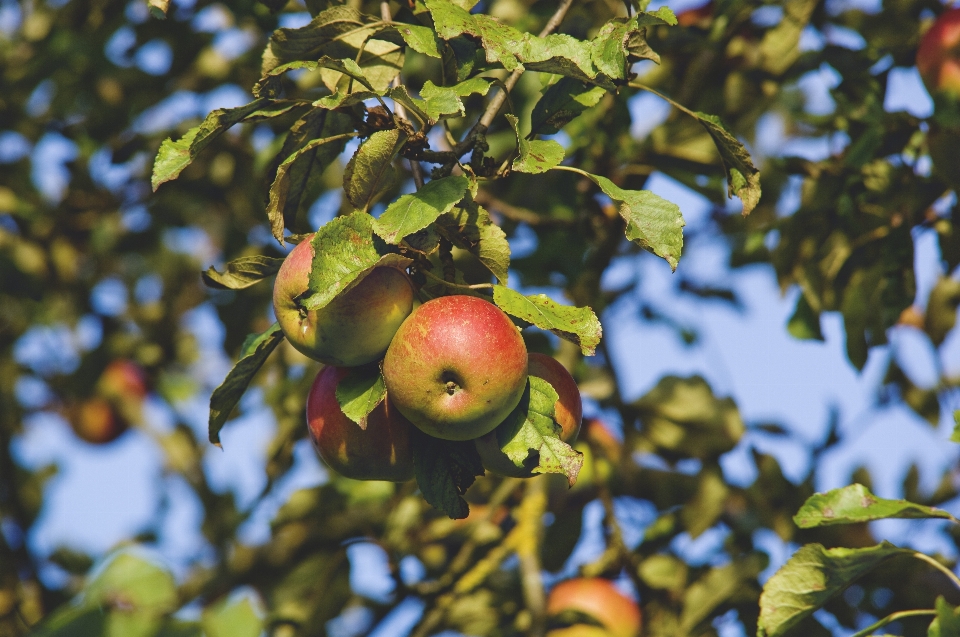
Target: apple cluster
pixel 454 367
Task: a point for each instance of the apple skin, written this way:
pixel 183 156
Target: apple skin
pixel 568 411
pixel 379 452
pixel 353 329
pixel 598 598
pixel 938 56
pixel 96 421
pixel 456 367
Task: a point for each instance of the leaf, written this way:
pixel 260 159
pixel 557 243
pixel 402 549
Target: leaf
pixel 159 8
pixel 345 251
pixel 419 38
pixel 743 178
pixel 370 171
pixel 241 273
pixel 609 47
pixel 239 619
pixel 133 584
pixel 445 469
pixel 716 587
pixel 254 352
pixel 653 223
pixel 683 418
pixel 531 427
pixel 955 436
pixel 359 392
pixel 535 156
pixel 805 322
pixel 277 202
pixel 302 177
pixel 337 32
pixel 416 211
pixel 941 316
pixel 576 324
pixel 854 504
pixel 470 228
pixel 443 101
pixel 345 66
pixel 174 156
pixel 413 105
pixel 342 99
pixel 810 578
pixel 562 102
pixel 947 621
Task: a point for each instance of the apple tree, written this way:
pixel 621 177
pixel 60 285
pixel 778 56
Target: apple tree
pixel 345 189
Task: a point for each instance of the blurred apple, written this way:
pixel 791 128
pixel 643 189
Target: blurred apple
pixel 597 598
pixel 938 56
pixel 96 421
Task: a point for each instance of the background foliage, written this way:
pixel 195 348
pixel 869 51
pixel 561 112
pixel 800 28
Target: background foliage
pixel 95 267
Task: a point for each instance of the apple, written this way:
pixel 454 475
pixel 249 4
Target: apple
pixel 938 56
pixel 568 412
pixel 379 452
pixel 96 421
pixel 597 598
pixel 122 379
pixel 456 367
pixel 356 327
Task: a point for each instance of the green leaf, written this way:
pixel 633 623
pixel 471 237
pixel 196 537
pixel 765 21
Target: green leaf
pixel 469 227
pixel 609 47
pixel 360 391
pixel 531 427
pixel 237 619
pixel 854 504
pixel 810 578
pixel 345 66
pixel 254 352
pixel 743 178
pixel 941 315
pixel 159 8
pixel 805 322
pixel 342 99
pixel 174 156
pixel 955 436
pixel 445 469
pixel 419 38
pixel 683 418
pixel 277 202
pixel 535 156
pixel 337 32
pixel 562 102
pixel 442 101
pixel 134 584
pixel 947 621
pixel 345 251
pixel 370 171
pixel 653 223
pixel 716 587
pixel 301 178
pixel 414 106
pixel 576 324
pixel 72 621
pixel 663 15
pixel 241 273
pixel 416 211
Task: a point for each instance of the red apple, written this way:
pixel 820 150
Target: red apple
pixel 938 57
pixel 122 379
pixel 456 367
pixel 353 329
pixel 599 599
pixel 379 452
pixel 568 412
pixel 96 421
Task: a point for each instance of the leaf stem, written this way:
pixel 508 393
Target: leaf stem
pixel 478 286
pixel 937 565
pixel 675 104
pixel 892 617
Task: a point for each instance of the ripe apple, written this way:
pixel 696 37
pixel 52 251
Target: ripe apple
pixel 353 329
pixel 938 56
pixel 379 452
pixel 568 412
pixel 96 421
pixel 598 598
pixel 456 367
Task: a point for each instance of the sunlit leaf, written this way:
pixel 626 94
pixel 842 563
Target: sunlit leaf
pixel 360 391
pixel 370 171
pixel 535 156
pixel 445 469
pixel 241 273
pixel 468 226
pixel 854 504
pixel 416 211
pixel 255 351
pixel 743 178
pixel 576 324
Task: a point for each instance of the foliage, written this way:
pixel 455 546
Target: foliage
pixel 465 126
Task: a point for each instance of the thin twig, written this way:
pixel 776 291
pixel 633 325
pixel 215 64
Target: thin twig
pixel 401 112
pixel 940 567
pixel 892 617
pixel 478 286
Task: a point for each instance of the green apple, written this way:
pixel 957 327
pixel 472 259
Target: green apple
pixel 356 327
pixel 456 367
pixel 568 412
pixel 600 600
pixel 379 452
